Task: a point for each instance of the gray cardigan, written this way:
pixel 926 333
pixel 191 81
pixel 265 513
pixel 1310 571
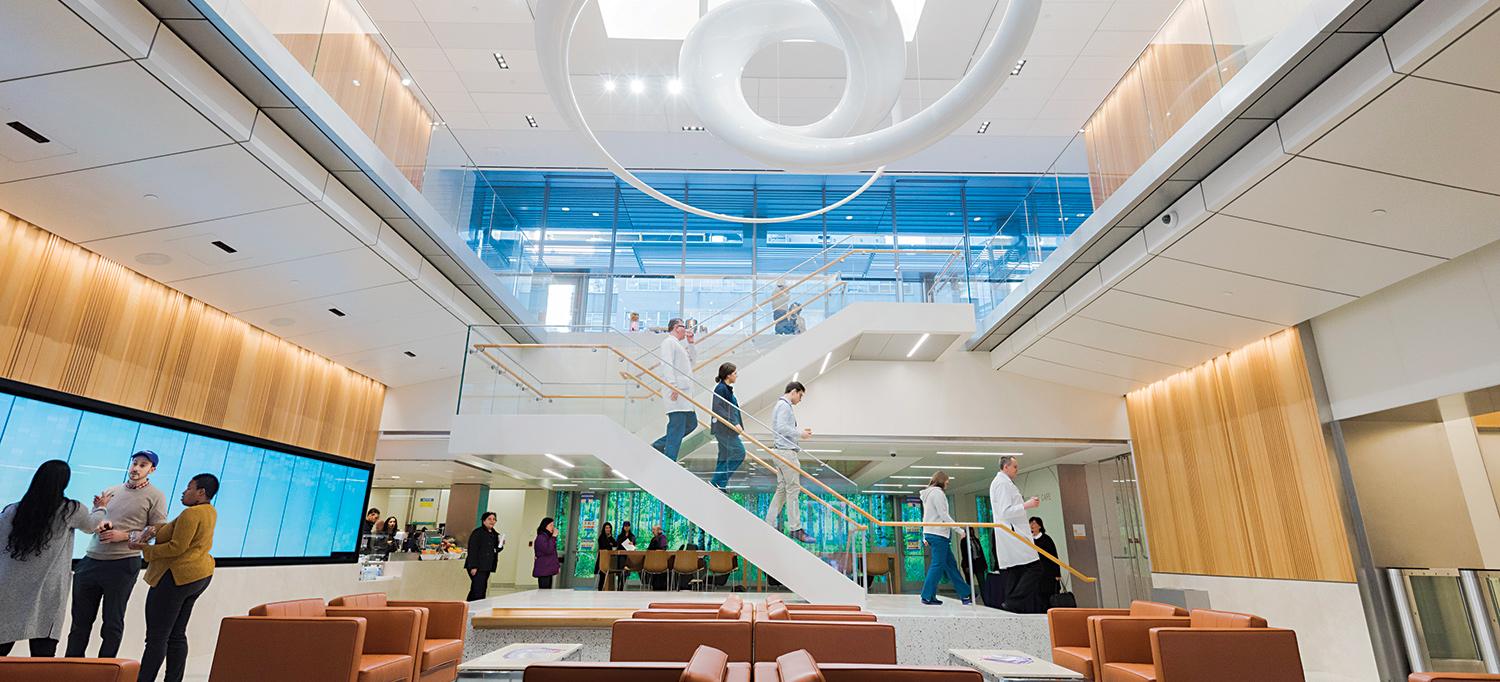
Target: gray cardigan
pixel 36 590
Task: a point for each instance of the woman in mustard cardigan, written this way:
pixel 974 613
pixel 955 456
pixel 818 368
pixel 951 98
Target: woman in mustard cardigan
pixel 178 571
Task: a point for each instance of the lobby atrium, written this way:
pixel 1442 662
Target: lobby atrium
pixel 552 340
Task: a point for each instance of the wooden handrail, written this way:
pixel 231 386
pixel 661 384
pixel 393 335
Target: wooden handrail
pixel 794 465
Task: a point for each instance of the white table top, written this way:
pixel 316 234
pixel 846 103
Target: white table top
pixel 518 656
pixel 1007 664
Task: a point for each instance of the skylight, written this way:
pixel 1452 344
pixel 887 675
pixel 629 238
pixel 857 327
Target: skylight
pixel 671 19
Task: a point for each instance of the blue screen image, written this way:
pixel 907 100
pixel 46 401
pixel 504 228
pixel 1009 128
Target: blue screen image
pixel 271 504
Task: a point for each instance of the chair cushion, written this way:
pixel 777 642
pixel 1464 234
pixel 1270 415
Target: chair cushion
pixel 777 611
pixel 366 600
pixel 798 666
pixel 729 610
pixel 738 672
pixel 437 653
pixel 1206 618
pixel 707 665
pixel 296 608
pixel 1155 609
pixel 384 668
pixel 1129 672
pixel 1078 659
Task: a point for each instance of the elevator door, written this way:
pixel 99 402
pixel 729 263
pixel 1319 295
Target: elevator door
pixel 1129 566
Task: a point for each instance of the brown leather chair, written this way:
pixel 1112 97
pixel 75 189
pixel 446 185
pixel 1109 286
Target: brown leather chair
pixel 1451 677
pixel 776 610
pixel 674 638
pixel 705 665
pixel 800 666
pixel 834 642
pixel 1216 646
pixel 443 628
pixel 305 640
pixel 69 669
pixel 1072 633
pixel 721 564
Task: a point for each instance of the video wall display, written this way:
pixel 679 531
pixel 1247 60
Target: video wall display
pixel 272 504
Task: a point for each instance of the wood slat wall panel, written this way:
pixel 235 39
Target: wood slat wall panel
pixel 1234 473
pixel 73 321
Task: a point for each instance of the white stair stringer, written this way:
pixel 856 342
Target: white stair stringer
pixel 600 437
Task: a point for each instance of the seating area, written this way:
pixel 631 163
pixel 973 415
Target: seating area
pixel 1153 642
pixel 707 664
pixel 753 633
pixel 695 569
pixel 360 638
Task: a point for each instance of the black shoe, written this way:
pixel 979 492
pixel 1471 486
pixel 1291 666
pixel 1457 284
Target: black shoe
pixel 933 602
pixel 801 536
pixel 966 601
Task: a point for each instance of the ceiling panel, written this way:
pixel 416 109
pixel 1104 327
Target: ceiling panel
pixel 290 281
pixel 149 194
pixel 107 114
pixel 257 239
pixel 436 358
pixel 1376 208
pixel 311 316
pixel 1070 376
pixel 1097 360
pixel 1177 320
pixel 1413 130
pixel 1134 342
pixel 1230 292
pixel 44 36
pixel 1472 60
pixel 390 330
pixel 1306 259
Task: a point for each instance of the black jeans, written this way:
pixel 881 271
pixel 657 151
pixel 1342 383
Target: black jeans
pixel 544 582
pixel 111 582
pixel 168 608
pixel 479 586
pixel 41 647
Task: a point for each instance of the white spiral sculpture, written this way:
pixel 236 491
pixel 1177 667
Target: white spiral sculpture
pixel 719 46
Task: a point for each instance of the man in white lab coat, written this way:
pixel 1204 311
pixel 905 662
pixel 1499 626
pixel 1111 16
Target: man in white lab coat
pixel 1011 555
pixel 677 370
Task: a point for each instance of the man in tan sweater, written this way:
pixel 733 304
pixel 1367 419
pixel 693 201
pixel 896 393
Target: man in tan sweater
pixel 178 570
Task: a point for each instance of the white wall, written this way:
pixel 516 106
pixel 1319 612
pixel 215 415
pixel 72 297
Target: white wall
pixel 959 395
pixel 428 406
pixel 1432 335
pixel 511 520
pixel 1328 617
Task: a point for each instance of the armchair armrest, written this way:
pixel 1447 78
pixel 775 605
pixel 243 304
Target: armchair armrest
pixel 445 619
pixel 664 614
pixel 1127 639
pixel 388 630
pixel 1226 654
pixel 274 648
pixel 1070 627
pixel 834 616
pixel 847 672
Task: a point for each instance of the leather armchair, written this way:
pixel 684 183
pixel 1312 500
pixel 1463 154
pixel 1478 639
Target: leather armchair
pixel 69 669
pixel 1072 636
pixel 841 642
pixel 656 640
pixel 1452 677
pixel 705 665
pixel 300 639
pixel 1216 646
pixel 443 628
pixel 800 666
pixel 732 608
pixel 776 610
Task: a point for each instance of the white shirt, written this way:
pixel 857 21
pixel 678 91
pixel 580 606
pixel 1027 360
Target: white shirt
pixel 935 510
pixel 677 369
pixel 1009 508
pixel 784 426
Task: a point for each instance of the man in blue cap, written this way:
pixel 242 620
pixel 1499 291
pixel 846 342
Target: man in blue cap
pixel 110 569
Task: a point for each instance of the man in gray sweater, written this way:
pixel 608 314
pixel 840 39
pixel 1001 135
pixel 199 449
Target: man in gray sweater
pixel 110 569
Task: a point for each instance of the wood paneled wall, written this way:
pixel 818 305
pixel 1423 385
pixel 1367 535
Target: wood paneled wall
pixel 74 321
pixel 1234 473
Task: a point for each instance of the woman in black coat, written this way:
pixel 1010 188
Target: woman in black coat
pixel 606 541
pixel 484 554
pixel 1049 580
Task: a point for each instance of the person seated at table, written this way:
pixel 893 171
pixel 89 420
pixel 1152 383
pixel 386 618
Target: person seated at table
pixel 658 542
pixel 607 541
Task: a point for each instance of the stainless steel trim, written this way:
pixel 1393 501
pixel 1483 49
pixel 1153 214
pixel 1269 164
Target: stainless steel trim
pixel 1479 617
pixel 1407 620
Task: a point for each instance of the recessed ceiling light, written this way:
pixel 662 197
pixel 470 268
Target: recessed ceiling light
pixel 224 247
pixel 1378 212
pixel 408 353
pixel 692 129
pixel 421 481
pixel 888 485
pixel 337 313
pixel 981 454
pixel 406 82
pixel 500 61
pixel 550 472
pixel 609 85
pixel 559 460
pixel 917 345
pixel 153 258
pixel 26 130
pixel 882 492
pixel 531 120
pixel 396 477
pixel 637 86
pixel 984 127
pixel 150 197
pixel 826 358
pixel 916 478
pixel 1019 65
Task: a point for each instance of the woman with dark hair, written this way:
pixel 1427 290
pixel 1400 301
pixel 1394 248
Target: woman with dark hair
pixel 35 568
pixel 1049 575
pixel 607 541
pixel 387 542
pixel 726 410
pixel 483 556
pixel 626 539
pixel 548 563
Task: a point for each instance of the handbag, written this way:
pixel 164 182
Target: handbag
pixel 1064 600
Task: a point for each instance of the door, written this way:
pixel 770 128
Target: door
pixel 1129 566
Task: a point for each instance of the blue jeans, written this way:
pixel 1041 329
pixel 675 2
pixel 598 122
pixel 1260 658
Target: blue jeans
pixel 940 566
pixel 679 425
pixel 731 455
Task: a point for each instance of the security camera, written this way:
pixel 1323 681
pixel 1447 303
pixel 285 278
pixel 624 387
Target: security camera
pixel 893 453
pixel 1168 218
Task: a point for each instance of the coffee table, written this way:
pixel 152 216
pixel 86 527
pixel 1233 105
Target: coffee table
pixel 509 662
pixel 1004 665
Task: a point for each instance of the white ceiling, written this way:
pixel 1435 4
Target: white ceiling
pixel 153 157
pixel 1080 50
pixel 1403 179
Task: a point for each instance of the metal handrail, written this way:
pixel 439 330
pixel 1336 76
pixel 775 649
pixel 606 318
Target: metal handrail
pixel 756 289
pixel 794 465
pixel 790 312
